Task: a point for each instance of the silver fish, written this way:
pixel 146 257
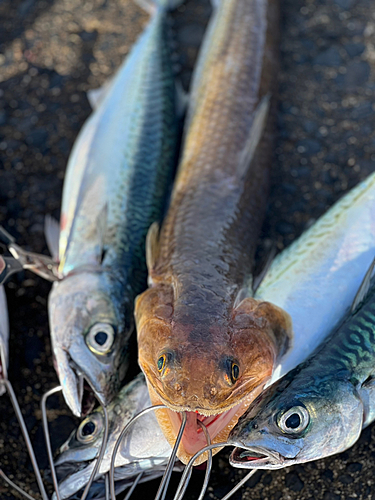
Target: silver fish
pixel 116 184
pixel 144 448
pixel 320 407
pixel 315 279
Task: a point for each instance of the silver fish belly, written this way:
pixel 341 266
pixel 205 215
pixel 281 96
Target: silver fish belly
pixel 315 279
pixel 116 184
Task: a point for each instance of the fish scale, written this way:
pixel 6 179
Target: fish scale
pixel 191 328
pixel 117 182
pixel 331 397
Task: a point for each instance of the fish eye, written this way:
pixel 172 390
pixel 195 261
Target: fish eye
pixel 164 361
pixel 294 420
pixel 235 372
pixel 232 371
pixel 89 428
pixel 161 362
pixel 100 338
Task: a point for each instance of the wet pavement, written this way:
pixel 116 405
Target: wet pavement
pixel 51 53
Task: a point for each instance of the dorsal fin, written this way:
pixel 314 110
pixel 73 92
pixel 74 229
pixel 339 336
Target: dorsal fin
pixel 364 288
pixel 97 96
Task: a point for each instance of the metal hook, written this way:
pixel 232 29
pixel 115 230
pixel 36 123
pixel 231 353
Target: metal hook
pixel 188 468
pixel 106 485
pixel 49 448
pixel 240 484
pixel 209 462
pixel 14 486
pixel 180 492
pixel 117 445
pixel 43 406
pixel 166 478
pixel 25 433
pixel 133 486
pixel 162 490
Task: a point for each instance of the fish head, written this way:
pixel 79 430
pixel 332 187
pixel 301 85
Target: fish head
pixel 296 421
pixel 142 448
pixel 88 333
pixel 214 382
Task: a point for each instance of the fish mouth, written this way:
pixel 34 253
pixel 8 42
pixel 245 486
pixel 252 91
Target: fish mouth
pixel 194 439
pixel 78 393
pixel 256 457
pixel 72 477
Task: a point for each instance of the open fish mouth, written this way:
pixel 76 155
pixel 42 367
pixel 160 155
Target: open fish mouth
pixel 256 458
pixel 193 439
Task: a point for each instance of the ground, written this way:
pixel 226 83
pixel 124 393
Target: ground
pixel 51 53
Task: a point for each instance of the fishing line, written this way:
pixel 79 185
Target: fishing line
pixel 188 468
pixel 133 486
pixel 208 469
pixel 163 487
pixel 43 406
pixel 240 484
pixel 21 422
pixel 49 448
pixel 117 445
pixel 14 486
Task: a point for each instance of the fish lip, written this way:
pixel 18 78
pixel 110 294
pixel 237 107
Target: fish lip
pixel 72 383
pixel 75 480
pixel 268 459
pixel 206 412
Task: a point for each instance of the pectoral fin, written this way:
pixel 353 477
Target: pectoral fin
pixel 52 235
pixel 367 395
pixel 366 284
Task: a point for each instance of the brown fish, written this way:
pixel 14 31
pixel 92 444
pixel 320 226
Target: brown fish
pixel 204 345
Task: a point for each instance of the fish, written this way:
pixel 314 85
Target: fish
pixel 4 338
pixel 319 408
pixel 117 183
pixel 322 271
pixel 143 449
pixel 204 346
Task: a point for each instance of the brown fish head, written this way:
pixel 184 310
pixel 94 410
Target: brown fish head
pixel 212 374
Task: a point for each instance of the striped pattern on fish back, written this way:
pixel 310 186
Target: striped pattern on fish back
pixel 138 170
pixel 328 226
pixel 151 157
pixel 350 352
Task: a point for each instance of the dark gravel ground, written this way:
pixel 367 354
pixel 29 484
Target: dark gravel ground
pixel 51 53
